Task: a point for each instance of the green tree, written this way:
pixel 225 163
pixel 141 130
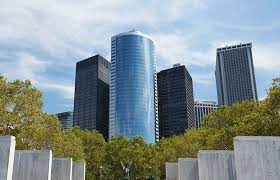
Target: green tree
pixel 118 150
pixel 68 144
pixel 20 106
pixel 247 118
pixel 185 146
pixel 144 162
pixel 94 149
pixel 21 115
pixel 134 151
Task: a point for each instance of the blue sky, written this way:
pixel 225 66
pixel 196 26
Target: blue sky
pixel 41 40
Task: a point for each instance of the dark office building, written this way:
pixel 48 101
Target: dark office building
pixel 175 101
pixel 91 101
pixel 66 119
pixel 235 76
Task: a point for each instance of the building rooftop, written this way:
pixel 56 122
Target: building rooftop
pixel 205 102
pixel 175 66
pixel 234 47
pixel 133 32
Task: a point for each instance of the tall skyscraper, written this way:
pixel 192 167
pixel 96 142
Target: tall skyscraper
pixel 235 76
pixel 133 90
pixel 175 101
pixel 203 108
pixel 91 101
pixel 66 119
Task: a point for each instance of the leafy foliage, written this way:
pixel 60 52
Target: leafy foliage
pixel 21 115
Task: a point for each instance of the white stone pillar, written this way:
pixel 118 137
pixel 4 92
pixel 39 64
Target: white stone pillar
pixel 216 165
pixel 7 151
pixel 171 170
pixel 257 157
pixel 61 168
pixel 78 171
pixel 187 169
pixel 32 165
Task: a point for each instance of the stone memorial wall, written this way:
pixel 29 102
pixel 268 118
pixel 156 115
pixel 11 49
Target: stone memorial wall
pixel 7 150
pixel 36 164
pixel 257 158
pixel 187 169
pixel 216 165
pixel 171 171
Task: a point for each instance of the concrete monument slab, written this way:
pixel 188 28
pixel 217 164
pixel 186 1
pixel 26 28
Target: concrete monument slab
pixel 32 165
pixel 171 170
pixel 7 151
pixel 78 171
pixel 216 165
pixel 187 169
pixel 257 157
pixel 61 169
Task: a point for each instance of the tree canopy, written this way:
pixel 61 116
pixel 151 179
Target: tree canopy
pixel 21 115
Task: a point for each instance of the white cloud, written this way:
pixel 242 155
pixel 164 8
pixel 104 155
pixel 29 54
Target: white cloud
pixel 22 65
pixel 205 79
pixel 267 56
pixel 240 27
pixel 177 48
pixel 58 26
pixel 25 66
pixel 73 28
pixel 66 90
pixel 78 29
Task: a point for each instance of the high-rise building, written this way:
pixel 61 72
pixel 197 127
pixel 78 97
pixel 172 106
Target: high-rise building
pixel 175 101
pixel 203 108
pixel 66 119
pixel 91 101
pixel 235 76
pixel 133 90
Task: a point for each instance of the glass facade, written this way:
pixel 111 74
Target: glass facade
pixel 91 101
pixel 66 119
pixel 175 101
pixel 133 96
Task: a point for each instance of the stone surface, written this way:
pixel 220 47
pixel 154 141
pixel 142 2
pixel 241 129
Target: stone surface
pixel 171 170
pixel 257 158
pixel 61 169
pixel 78 171
pixel 216 165
pixel 187 169
pixel 7 150
pixel 32 165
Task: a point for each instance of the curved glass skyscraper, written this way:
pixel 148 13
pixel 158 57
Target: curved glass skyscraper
pixel 133 90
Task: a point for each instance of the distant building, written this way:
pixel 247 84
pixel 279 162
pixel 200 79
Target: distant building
pixel 175 101
pixel 133 92
pixel 91 101
pixel 66 119
pixel 203 108
pixel 235 76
